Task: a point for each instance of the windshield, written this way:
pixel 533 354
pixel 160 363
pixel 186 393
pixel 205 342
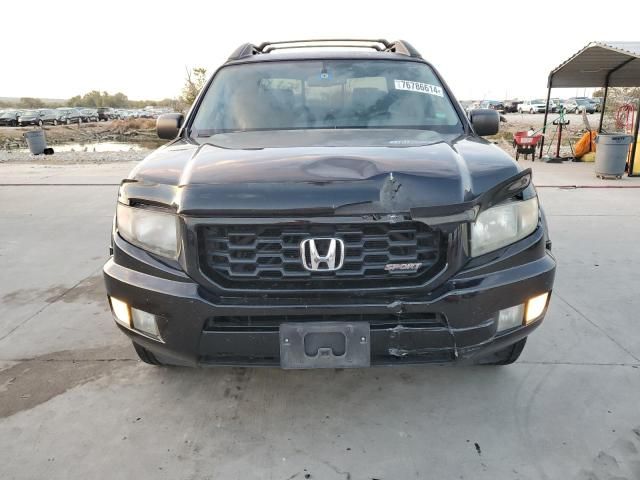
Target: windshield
pixel 326 94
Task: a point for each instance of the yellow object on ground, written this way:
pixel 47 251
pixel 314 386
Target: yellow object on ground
pixel 589 157
pixel 636 161
pixel 586 144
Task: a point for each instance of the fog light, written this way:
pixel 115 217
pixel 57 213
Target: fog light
pixel 121 311
pixel 535 307
pixel 510 317
pixel 145 322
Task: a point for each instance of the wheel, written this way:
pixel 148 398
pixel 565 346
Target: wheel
pixel 79 120
pixel 532 111
pixel 55 121
pixel 40 123
pixel 146 356
pixel 505 356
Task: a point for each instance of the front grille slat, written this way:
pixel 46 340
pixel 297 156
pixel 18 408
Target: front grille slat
pixel 377 321
pixel 251 255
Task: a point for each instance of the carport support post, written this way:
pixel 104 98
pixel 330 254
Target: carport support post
pixel 635 142
pixel 604 104
pixel 546 114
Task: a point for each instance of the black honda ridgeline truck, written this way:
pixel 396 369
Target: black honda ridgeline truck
pixel 328 208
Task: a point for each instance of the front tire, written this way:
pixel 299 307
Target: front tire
pixel 146 356
pixel 506 356
pixel 532 111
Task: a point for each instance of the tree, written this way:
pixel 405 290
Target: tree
pixel 119 100
pixel 619 94
pixel 95 99
pixel 196 78
pixel 29 102
pixel 74 101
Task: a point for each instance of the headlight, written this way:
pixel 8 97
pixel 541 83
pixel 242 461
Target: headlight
pixel 149 229
pixel 502 225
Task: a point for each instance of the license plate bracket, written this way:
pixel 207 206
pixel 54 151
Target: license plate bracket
pixel 325 345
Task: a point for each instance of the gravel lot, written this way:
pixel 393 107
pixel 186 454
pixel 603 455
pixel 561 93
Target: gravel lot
pixel 14 156
pixel 142 132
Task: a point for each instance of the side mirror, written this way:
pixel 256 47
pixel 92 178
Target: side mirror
pixel 485 121
pixel 168 125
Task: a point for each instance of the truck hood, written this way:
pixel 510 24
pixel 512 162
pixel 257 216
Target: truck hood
pixel 345 175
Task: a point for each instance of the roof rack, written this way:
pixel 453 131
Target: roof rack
pixel 381 45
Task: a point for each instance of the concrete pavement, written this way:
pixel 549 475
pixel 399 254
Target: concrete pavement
pixel 75 402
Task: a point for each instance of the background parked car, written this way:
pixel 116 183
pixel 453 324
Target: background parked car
pixel 558 103
pixel 29 117
pixel 48 115
pixel 554 106
pixel 579 105
pixel 105 113
pixel 10 118
pixel 61 116
pixel 511 106
pixel 471 106
pixel 89 114
pixel 71 115
pixel 125 114
pixel 533 106
pixel 493 105
pixel 38 117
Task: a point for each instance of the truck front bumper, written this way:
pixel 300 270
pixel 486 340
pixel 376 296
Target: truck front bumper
pixel 457 322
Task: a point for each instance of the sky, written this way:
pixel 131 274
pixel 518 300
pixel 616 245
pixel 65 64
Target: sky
pixel 483 49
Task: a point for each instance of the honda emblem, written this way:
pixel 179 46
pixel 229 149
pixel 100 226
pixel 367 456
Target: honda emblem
pixel 322 254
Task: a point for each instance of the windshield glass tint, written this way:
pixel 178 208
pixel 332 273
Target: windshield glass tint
pixel 293 95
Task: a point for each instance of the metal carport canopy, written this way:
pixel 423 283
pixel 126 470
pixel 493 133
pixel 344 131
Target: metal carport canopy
pixel 591 66
pixel 599 64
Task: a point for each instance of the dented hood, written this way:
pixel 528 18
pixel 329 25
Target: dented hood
pixel 346 176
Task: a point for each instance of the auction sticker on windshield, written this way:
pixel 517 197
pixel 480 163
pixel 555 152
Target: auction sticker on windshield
pixel 419 87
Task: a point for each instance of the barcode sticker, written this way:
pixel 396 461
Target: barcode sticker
pixel 419 87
